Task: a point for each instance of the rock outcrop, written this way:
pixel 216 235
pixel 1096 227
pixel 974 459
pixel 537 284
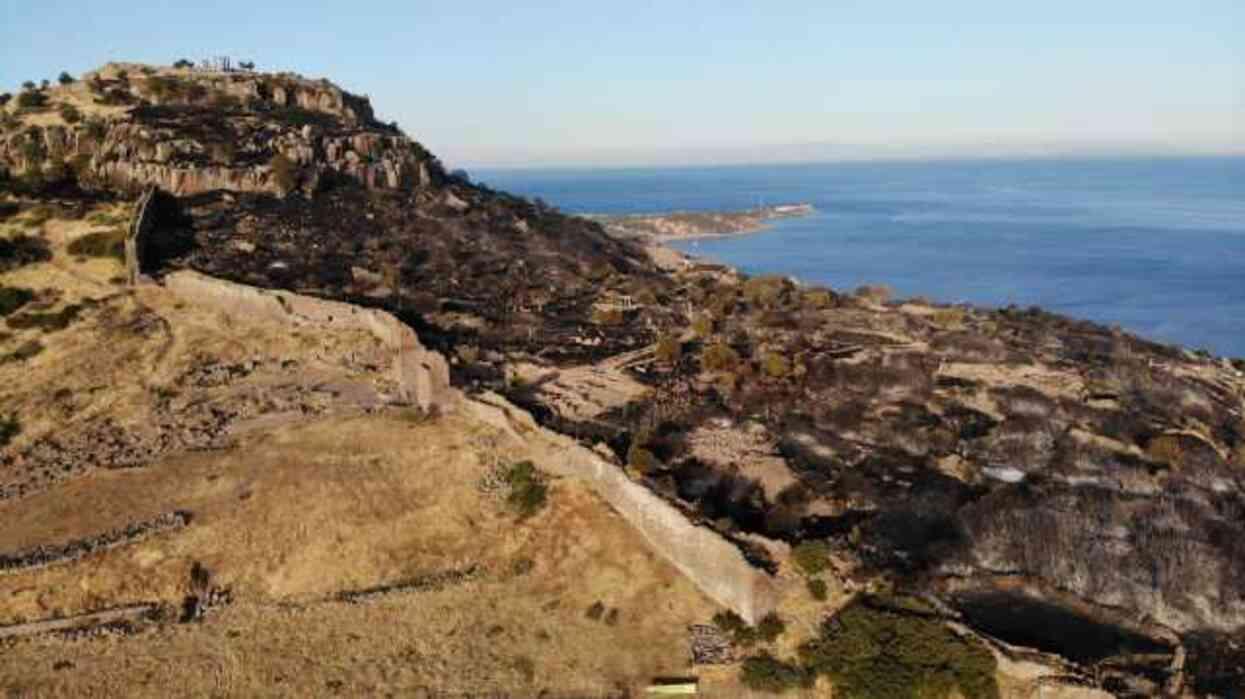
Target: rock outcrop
pixel 191 133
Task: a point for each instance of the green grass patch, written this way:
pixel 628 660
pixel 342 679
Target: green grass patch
pixel 21 250
pixel 9 428
pixel 12 298
pixel 528 491
pixel 812 557
pixel 818 589
pixel 109 244
pixel 22 353
pixel 51 321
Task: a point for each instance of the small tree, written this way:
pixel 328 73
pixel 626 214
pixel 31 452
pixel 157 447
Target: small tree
pixel 65 78
pixel 183 63
pixel 28 85
pixel 44 84
pixel 31 100
pixel 246 65
pixel 4 98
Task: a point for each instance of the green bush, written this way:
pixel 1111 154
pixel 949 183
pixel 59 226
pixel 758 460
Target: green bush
pixel 13 298
pixel 765 291
pixel 642 460
pixel 702 326
pixel 9 428
pixel 719 357
pixel 528 491
pixel 47 322
pixel 775 365
pixel 767 630
pixel 872 652
pixel 669 349
pixel 25 351
pixel 163 87
pixel 22 250
pixel 32 100
pixel 65 78
pixel 31 147
pixel 818 589
pixel 110 244
pixel 70 114
pixel 812 557
pixel 95 128
pixel 765 673
pixel 770 627
pixel 284 172
pixel 817 299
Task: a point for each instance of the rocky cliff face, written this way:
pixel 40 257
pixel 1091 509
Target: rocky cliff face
pixel 191 132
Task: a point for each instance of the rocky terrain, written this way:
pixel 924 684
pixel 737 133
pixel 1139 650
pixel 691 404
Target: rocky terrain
pixel 998 502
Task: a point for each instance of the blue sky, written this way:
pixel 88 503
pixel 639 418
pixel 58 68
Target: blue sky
pixel 504 83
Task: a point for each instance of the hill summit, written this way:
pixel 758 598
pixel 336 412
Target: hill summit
pixel 189 131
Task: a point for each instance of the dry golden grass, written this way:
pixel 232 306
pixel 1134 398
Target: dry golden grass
pixel 295 513
pixel 300 515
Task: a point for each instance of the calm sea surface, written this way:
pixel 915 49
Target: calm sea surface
pixel 1155 245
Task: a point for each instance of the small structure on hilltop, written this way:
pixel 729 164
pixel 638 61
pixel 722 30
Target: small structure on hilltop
pixel 224 64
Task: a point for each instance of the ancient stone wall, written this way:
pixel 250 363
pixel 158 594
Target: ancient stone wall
pixel 141 226
pixel 43 556
pixel 712 563
pixel 422 375
pixel 101 621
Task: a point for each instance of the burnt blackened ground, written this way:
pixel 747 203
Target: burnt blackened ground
pixel 917 443
pixel 527 277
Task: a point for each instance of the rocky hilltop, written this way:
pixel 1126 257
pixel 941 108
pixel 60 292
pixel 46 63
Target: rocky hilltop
pixel 889 496
pixel 126 127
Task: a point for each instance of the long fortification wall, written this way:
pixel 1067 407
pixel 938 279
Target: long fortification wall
pixel 422 375
pixel 712 563
pixel 141 226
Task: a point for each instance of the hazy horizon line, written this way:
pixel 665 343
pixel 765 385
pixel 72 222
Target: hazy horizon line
pixel 671 163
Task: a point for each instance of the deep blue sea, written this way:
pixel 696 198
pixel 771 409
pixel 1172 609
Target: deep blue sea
pixel 1154 245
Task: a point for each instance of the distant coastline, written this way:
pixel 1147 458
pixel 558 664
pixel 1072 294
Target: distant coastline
pixel 688 225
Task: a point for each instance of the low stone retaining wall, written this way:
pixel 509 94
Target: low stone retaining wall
pixel 423 376
pixel 82 622
pixel 712 563
pixel 44 556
